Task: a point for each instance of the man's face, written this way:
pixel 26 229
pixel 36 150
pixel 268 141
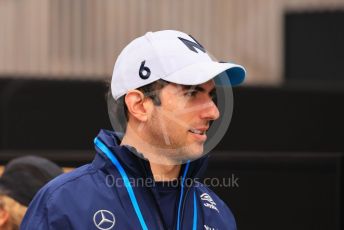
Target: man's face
pixel 180 123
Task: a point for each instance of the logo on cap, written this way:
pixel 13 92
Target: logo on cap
pixel 192 45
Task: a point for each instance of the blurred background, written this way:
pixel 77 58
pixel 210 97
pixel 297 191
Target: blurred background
pixel 286 139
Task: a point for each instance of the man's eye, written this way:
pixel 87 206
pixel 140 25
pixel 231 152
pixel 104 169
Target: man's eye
pixel 213 95
pixel 191 93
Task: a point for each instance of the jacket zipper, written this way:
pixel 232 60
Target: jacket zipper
pixel 159 219
pixel 184 201
pixel 183 207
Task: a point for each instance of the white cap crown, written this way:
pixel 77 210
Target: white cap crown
pixel 169 55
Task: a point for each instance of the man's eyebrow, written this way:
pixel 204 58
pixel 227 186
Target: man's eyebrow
pixel 193 87
pixel 198 88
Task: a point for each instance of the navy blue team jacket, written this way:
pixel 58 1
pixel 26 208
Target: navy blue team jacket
pixel 105 194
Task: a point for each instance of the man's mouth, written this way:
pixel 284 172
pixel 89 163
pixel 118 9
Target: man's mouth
pixel 197 131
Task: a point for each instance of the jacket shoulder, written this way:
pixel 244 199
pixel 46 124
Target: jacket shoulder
pixel 56 193
pixel 68 179
pixel 203 189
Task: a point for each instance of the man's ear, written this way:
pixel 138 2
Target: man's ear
pixel 138 105
pixel 4 216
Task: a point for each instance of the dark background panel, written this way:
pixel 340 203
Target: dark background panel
pixel 280 190
pixel 57 115
pixel 314 48
pixel 38 114
pixel 286 119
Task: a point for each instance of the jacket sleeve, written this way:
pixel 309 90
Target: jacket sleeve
pixel 226 213
pixel 48 211
pixel 36 217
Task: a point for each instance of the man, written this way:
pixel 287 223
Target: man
pixel 20 181
pixel 163 82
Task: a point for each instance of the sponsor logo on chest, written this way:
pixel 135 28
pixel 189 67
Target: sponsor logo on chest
pixel 104 219
pixel 206 227
pixel 208 201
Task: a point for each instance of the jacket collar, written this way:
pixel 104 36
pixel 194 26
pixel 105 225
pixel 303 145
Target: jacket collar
pixel 137 166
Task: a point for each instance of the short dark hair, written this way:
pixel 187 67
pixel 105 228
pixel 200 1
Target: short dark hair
pixel 151 90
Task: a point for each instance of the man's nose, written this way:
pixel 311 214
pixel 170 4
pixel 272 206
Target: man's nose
pixel 210 111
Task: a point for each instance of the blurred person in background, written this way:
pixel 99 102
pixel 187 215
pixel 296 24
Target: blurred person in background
pixel 20 181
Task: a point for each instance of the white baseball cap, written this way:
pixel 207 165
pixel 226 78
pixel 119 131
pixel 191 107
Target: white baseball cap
pixel 169 55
